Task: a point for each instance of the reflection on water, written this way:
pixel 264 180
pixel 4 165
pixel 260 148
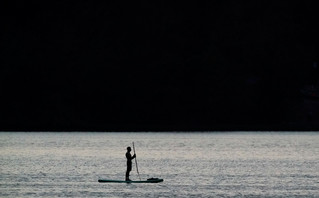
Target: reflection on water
pixel 191 164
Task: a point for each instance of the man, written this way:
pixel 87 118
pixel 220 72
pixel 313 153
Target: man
pixel 129 163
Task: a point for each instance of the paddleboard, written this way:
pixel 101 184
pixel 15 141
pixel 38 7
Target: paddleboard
pixel 151 180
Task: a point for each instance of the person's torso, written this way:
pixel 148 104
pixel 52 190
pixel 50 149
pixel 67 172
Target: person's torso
pixel 128 157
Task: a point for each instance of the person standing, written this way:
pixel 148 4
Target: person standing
pixel 129 158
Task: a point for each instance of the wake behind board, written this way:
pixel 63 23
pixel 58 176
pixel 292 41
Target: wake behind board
pixel 151 180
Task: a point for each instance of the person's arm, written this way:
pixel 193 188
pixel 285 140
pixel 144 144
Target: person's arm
pixel 134 156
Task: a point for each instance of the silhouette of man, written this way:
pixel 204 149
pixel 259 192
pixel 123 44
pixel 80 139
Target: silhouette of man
pixel 129 158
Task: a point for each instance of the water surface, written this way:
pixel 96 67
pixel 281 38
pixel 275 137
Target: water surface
pixel 237 164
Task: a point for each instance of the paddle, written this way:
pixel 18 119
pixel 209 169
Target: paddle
pixel 136 162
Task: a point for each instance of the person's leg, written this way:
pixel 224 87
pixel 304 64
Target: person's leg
pixel 127 175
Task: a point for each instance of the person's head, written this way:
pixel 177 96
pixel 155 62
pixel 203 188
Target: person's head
pixel 129 149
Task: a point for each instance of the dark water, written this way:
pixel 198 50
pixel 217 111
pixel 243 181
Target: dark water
pixel 235 164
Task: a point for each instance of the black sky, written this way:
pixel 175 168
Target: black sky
pixel 215 65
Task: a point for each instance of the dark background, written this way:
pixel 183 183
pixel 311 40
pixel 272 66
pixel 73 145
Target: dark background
pixel 217 65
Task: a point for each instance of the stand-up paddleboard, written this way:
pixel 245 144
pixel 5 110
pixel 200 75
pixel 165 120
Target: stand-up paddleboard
pixel 151 180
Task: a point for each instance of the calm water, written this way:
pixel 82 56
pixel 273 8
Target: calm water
pixel 192 164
